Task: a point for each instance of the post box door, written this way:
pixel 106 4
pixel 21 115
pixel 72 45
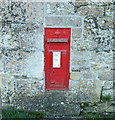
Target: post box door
pixel 57 58
pixel 57 68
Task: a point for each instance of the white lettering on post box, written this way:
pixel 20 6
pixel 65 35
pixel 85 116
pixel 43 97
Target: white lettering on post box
pixel 56 59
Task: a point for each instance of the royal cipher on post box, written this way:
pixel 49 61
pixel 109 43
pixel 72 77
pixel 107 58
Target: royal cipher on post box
pixel 57 58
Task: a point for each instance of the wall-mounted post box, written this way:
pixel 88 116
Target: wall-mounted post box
pixel 57 58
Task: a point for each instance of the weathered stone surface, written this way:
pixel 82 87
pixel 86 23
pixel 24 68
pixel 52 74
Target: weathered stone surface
pixel 108 75
pixel 110 109
pixel 76 32
pixel 34 10
pixel 93 30
pixel 86 90
pixel 108 85
pixel 81 2
pixel 105 22
pixel 80 60
pixel 90 90
pixel 87 75
pixel 59 8
pixel 7 42
pixel 98 61
pixel 22 51
pixel 99 108
pixel 54 21
pixel 72 21
pixel 73 85
pixel 51 102
pixel 7 86
pixel 39 41
pixel 35 65
pixel 75 76
pixel 107 93
pixel 1 65
pixel 0 82
pixel 109 9
pixel 91 10
pixel 28 87
pixel 80 65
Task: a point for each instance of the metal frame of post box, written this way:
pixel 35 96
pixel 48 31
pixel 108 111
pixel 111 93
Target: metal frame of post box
pixel 69 43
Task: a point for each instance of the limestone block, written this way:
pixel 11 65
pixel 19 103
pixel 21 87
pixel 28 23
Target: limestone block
pixel 80 59
pixel 60 8
pixel 36 86
pixel 72 21
pixel 86 90
pixel 98 87
pixel 75 76
pixel 109 10
pixel 50 8
pixel 86 74
pixel 7 86
pixel 90 90
pixel 7 81
pixel 73 85
pixel 23 85
pixel 108 85
pixel 91 10
pixel 100 108
pixel 51 102
pixel 29 87
pixel 0 81
pixel 107 92
pixel 80 65
pixel 54 21
pixel 6 41
pixel 108 75
pixel 39 42
pixel 1 40
pixel 82 55
pixel 76 32
pixel 1 65
pixel 35 65
pixel 105 22
pixel 81 3
pixel 34 11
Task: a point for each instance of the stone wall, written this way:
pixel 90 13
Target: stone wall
pixel 22 48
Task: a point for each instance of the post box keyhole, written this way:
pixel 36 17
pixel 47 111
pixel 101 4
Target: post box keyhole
pixel 53 71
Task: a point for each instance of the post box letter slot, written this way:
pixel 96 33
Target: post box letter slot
pixel 58 40
pixel 56 59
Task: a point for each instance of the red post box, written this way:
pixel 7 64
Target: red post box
pixel 57 58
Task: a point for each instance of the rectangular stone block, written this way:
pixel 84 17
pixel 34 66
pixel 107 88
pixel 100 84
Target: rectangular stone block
pixel 35 65
pixel 106 22
pixel 107 75
pixel 76 32
pixel 87 75
pixel 1 63
pixel 75 76
pixel 107 93
pixel 72 21
pixel 59 8
pixel 91 10
pixel 34 12
pixel 108 85
pixel 53 21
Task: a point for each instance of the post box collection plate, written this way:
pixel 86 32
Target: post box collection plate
pixel 57 58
